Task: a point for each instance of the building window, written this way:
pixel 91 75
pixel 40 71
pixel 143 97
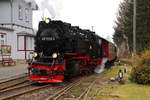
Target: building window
pixel 2 39
pixel 21 44
pixel 29 43
pixel 25 43
pixel 26 14
pixel 20 12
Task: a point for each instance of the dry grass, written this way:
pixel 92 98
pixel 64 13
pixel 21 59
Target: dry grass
pixel 104 89
pixel 116 91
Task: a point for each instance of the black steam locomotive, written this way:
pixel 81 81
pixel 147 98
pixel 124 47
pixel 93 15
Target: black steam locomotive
pixel 62 50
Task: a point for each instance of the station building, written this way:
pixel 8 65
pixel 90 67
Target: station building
pixel 16 26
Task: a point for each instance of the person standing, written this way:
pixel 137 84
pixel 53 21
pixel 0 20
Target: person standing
pixel 120 75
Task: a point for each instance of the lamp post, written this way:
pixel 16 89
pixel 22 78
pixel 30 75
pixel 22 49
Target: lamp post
pixel 134 31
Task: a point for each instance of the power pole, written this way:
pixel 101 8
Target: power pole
pixel 134 32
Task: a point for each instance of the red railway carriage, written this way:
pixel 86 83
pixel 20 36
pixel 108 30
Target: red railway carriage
pixel 64 51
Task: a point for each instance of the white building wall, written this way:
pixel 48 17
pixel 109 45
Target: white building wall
pixel 5 11
pixel 23 5
pixel 19 54
pixel 11 39
pixel 8 17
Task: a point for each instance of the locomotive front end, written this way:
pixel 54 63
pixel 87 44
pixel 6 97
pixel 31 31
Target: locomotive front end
pixel 42 71
pixel 48 63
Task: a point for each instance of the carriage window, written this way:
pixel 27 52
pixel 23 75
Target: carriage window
pixel 100 41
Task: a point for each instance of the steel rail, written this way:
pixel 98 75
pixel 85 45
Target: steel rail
pixel 13 78
pixel 85 93
pixel 23 92
pixel 58 94
pixel 13 83
pixel 13 88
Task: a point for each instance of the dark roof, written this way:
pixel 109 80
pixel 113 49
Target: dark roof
pixel 7 29
pixel 25 33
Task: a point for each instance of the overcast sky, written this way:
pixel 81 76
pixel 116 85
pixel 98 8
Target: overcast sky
pixel 84 13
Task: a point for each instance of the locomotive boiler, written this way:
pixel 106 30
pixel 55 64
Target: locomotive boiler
pixel 64 51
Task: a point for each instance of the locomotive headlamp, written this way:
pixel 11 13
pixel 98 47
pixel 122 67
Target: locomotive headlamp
pixel 54 55
pixel 34 54
pixel 47 20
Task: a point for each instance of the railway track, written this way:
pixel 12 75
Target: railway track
pixel 13 92
pixel 26 88
pixel 64 90
pixel 56 92
pixel 57 95
pixel 84 95
pixel 15 80
pixel 14 87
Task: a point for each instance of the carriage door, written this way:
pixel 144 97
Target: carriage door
pixel 105 48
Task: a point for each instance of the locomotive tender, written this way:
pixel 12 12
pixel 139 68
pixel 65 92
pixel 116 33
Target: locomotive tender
pixel 63 51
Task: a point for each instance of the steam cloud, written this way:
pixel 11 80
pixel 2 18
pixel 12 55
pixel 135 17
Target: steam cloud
pixel 28 1
pixel 100 68
pixel 53 7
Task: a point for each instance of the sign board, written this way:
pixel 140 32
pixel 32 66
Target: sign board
pixel 5 50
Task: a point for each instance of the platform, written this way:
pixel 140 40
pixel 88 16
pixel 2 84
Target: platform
pixel 10 71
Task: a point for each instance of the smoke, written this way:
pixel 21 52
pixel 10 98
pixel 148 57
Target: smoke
pixel 49 7
pixel 28 1
pixel 52 6
pixel 99 69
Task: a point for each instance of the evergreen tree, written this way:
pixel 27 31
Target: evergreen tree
pixel 124 25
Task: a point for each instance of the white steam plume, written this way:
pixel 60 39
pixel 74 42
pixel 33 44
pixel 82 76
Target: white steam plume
pixel 100 68
pixel 49 7
pixel 52 6
pixel 28 1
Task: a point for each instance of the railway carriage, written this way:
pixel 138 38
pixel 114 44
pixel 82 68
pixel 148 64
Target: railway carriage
pixel 64 51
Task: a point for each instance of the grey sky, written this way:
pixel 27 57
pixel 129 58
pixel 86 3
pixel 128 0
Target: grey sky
pixel 84 13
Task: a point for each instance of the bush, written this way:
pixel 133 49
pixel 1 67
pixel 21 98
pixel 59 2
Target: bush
pixel 145 60
pixel 141 73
